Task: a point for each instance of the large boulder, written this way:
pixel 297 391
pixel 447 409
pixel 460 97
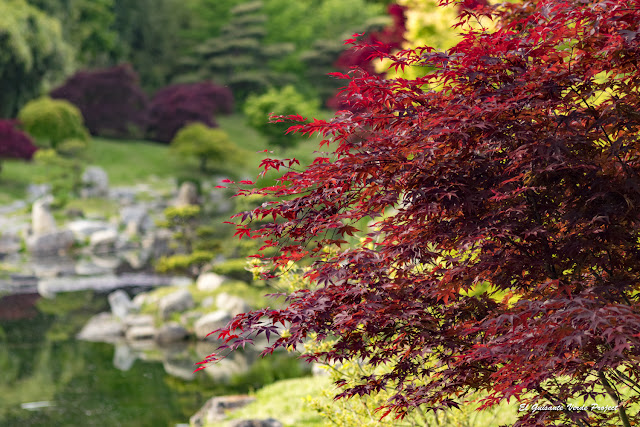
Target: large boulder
pixel 102 327
pixel 209 282
pixel 103 241
pixel 120 304
pixel 52 243
pixel 42 221
pixel 95 183
pixel 136 219
pixel 216 408
pixel 171 332
pixel 187 195
pixel 136 333
pixel 82 229
pixel 231 303
pixel 180 300
pixel 209 323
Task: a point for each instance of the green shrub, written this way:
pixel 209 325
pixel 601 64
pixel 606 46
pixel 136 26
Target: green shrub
pixel 64 174
pixel 51 121
pixel 190 264
pixel 212 147
pixel 234 268
pixel 285 101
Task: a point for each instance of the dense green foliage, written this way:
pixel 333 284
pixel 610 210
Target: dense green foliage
pixel 88 26
pixel 33 54
pixel 285 101
pixel 212 147
pixel 52 121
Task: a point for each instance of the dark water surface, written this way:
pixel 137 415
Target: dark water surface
pixel 47 378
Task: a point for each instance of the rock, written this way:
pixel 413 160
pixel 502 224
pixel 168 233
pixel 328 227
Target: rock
pixel 42 221
pixel 52 265
pixel 158 243
pixel 120 304
pixel 137 333
pixel 139 300
pixel 180 300
pixel 187 195
pixel 180 281
pixel 269 422
pixel 138 320
pixel 207 302
pixel 102 327
pixel 209 282
pixel 82 229
pixel 10 243
pixel 103 241
pixel 123 357
pixel 223 370
pixel 231 303
pixel 181 368
pixel 95 182
pixel 52 243
pixel 88 268
pixel 215 409
pixel 136 220
pixel 36 191
pixel 171 332
pixel 209 323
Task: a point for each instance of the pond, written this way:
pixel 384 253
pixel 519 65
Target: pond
pixel 49 378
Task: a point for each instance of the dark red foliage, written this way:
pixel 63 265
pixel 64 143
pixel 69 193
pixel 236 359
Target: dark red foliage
pixel 178 105
pixel 373 44
pixel 111 100
pixel 15 144
pixel 507 260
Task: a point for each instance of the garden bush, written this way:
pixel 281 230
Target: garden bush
pixel 212 147
pixel 51 121
pixel 110 99
pixel 14 144
pixel 285 101
pixel 175 106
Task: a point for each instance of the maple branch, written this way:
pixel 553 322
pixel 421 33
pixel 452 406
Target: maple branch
pixel 613 393
pixel 557 402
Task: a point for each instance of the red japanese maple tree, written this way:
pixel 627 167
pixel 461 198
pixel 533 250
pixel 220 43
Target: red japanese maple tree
pixel 506 188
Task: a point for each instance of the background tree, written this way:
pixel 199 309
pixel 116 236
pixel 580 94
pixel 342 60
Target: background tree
pixel 147 31
pixel 14 144
pixel 88 26
pixel 111 100
pixel 504 255
pixel 208 145
pixel 52 121
pixel 283 101
pixel 34 54
pixel 239 58
pixel 175 106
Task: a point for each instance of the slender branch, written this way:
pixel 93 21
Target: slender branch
pixel 612 392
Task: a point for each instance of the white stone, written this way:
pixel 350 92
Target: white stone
pixel 42 221
pixel 102 327
pixel 95 182
pixel 180 300
pixel 231 303
pixel 209 323
pixel 103 240
pixel 209 282
pixel 136 333
pixel 120 304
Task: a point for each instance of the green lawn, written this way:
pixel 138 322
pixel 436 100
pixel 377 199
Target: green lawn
pixel 128 162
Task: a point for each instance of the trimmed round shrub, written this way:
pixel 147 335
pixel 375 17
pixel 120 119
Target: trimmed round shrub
pixel 52 121
pixel 208 145
pixel 285 101
pixel 111 100
pixel 176 106
pixel 15 144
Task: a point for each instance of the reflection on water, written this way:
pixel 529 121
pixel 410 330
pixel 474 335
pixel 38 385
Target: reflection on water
pixel 50 379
